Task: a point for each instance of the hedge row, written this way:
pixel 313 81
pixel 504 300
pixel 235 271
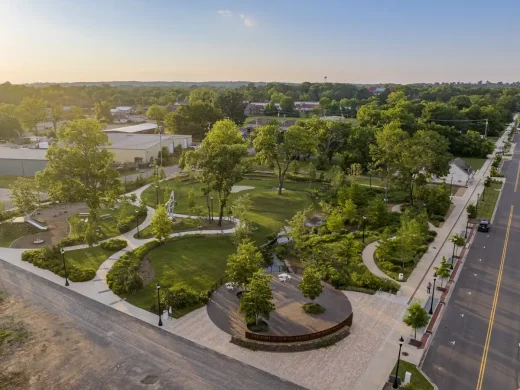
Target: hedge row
pixel 124 277
pixel 50 258
pixel 115 244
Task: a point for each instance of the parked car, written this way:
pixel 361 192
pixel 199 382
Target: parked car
pixel 484 226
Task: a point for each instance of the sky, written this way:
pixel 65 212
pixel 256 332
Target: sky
pixel 370 41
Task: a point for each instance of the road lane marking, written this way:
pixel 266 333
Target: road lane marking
pixel 494 306
pixel 517 175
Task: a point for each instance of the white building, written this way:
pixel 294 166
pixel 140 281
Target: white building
pixel 142 128
pixel 459 175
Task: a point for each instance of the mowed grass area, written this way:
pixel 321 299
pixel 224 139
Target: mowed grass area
pixel 475 162
pixel 270 210
pixel 10 231
pixel 87 258
pixel 487 206
pixel 196 262
pixel 418 379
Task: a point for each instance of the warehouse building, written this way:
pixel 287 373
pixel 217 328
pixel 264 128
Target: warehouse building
pixel 142 128
pixel 127 149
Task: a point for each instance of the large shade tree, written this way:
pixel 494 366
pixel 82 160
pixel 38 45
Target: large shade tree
pixel 30 112
pixel 279 148
pixel 220 160
pixel 257 301
pixel 194 119
pixel 79 166
pixel 232 104
pixel 242 265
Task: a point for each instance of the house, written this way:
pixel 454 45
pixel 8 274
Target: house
pixel 303 107
pixel 173 107
pixel 376 90
pixel 460 173
pixel 253 109
pixel 121 113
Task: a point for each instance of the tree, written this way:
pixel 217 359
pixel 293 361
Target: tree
pixel 191 199
pixel 9 127
pixel 240 209
pixel 156 113
pixel 204 95
pixel 75 113
pixel 30 112
pixel 79 166
pixel 443 272
pixel 472 211
pixel 161 224
pixel 232 104
pixel 458 241
pixel 242 265
pixel 220 159
pixel 8 110
pixel 194 119
pixel 311 286
pixel 377 213
pixel 287 104
pixel 335 221
pixel 416 317
pixel 311 172
pixel 57 114
pixel 102 110
pixel 257 301
pixel 25 194
pixel 275 147
pixel 3 208
pixel 350 211
pixel 330 137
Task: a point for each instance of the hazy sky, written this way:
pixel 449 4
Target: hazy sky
pixel 369 41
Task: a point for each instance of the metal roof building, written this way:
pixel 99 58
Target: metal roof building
pixel 143 128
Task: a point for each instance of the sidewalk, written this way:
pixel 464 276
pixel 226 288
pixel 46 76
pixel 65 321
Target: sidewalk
pixel 415 288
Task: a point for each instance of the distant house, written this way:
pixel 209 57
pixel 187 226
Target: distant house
pixel 254 109
pixel 121 113
pixel 376 90
pixel 303 107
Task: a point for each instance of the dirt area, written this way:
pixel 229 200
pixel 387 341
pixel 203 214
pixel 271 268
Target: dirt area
pixel 146 271
pixel 56 219
pixel 460 192
pixel 41 352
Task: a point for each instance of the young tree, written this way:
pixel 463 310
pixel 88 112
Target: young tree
pixel 443 272
pixel 194 119
pixel 273 146
pixel 191 199
pixel 76 113
pixel 3 208
pixel 311 286
pixel 377 213
pixel 220 159
pixel 416 317
pixel 30 112
pixel 25 194
pixel 161 224
pixel 472 211
pixel 458 241
pixel 9 127
pixel 242 265
pixel 335 221
pixel 311 172
pixel 257 301
pixel 350 211
pixel 240 209
pixel 79 167
pixel 57 114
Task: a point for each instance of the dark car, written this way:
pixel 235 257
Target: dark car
pixel 484 226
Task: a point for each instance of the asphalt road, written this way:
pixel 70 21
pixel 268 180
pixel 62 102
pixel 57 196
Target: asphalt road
pixel 463 355
pixel 139 349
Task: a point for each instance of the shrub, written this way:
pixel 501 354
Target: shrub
pixel 71 240
pixel 180 297
pixel 126 224
pixel 115 244
pixel 313 308
pixel 438 218
pixel 50 258
pixel 123 277
pixel 388 266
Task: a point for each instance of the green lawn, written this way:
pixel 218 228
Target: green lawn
pixel 108 226
pixel 87 258
pixel 418 379
pixel 487 206
pixel 270 210
pixel 194 262
pixel 6 181
pixel 475 162
pixel 11 231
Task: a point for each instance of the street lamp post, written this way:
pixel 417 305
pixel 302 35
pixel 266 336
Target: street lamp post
pixel 396 384
pixel 364 221
pixel 158 287
pixel 156 194
pixel 137 222
pixel 476 206
pixel 62 250
pixel 433 293
pixel 211 197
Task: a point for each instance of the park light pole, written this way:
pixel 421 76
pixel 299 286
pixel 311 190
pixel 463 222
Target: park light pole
pixel 396 384
pixel 433 294
pixel 156 194
pixel 158 287
pixel 211 197
pixel 364 221
pixel 137 222
pixel 476 206
pixel 62 250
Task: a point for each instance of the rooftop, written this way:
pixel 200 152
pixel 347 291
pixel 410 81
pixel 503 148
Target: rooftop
pixel 22 154
pixel 133 129
pixel 136 141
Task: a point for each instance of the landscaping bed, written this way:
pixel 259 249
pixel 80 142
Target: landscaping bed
pixel 486 207
pixel 418 379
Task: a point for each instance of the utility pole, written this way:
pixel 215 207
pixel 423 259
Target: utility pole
pixel 485 131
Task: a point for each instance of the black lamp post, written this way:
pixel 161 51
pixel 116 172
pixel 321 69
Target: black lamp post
pixel 211 197
pixel 137 222
pixel 433 294
pixel 156 194
pixel 364 220
pixel 158 287
pixel 476 206
pixel 396 384
pixel 62 250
